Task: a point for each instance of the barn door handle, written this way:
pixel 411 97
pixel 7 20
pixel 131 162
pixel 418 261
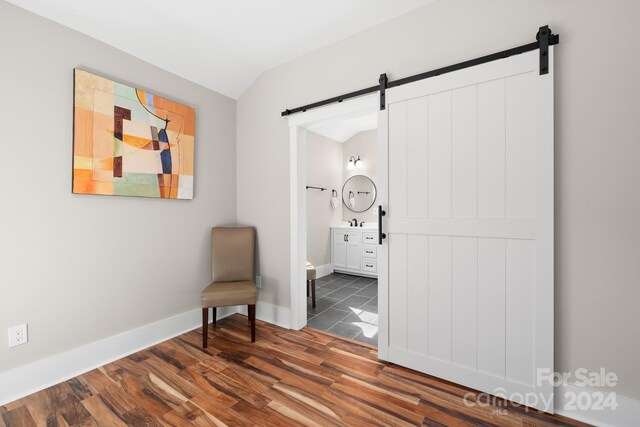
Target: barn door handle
pixel 381 235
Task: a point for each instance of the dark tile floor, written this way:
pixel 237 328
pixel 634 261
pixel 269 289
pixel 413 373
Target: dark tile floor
pixel 346 306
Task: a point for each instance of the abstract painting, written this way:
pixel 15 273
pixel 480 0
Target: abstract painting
pixel 129 142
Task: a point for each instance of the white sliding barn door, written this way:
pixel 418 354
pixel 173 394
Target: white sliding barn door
pixel 466 273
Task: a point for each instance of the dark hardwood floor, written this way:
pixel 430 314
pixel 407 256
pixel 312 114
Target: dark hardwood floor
pixel 286 378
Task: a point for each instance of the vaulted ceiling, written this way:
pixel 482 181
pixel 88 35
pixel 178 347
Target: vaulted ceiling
pixel 223 45
pixel 341 130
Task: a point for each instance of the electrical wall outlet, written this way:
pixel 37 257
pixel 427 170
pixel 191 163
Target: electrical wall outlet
pixel 258 282
pixel 18 335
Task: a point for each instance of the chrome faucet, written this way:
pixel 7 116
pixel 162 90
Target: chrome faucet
pixel 354 222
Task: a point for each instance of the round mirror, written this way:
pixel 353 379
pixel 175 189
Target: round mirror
pixel 359 193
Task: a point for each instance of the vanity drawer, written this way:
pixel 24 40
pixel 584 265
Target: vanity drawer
pixel 369 238
pixel 369 252
pixel 369 265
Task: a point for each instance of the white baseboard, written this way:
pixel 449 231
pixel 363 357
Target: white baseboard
pixel 627 412
pixel 324 270
pixel 28 379
pixel 270 313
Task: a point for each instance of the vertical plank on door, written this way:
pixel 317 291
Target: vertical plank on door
pixel 398 159
pixel 418 294
pixel 464 294
pixel 417 158
pixel 439 155
pixel 520 319
pixel 464 152
pixel 491 306
pixel 520 197
pixel 491 149
pixel 440 297
pixel 398 290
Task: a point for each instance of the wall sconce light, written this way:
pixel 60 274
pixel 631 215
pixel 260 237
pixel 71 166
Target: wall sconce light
pixel 353 162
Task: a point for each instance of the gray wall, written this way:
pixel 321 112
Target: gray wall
pixel 81 268
pixel 365 145
pixel 597 150
pixel 324 169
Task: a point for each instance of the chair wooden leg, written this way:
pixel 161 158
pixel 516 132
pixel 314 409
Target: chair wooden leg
pixel 313 293
pixel 215 315
pixel 205 326
pixel 252 319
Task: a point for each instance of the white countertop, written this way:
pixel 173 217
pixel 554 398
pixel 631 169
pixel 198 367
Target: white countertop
pixel 372 226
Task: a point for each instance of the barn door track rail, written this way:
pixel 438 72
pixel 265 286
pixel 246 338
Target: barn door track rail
pixel 544 39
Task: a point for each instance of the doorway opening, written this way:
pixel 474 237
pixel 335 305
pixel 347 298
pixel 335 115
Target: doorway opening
pixel 342 171
pixel 335 187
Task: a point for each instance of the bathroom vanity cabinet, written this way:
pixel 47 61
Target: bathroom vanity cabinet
pixel 354 251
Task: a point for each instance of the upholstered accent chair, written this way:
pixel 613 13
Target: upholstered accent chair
pixel 232 280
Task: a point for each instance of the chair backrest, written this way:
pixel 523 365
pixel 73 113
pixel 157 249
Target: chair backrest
pixel 232 252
